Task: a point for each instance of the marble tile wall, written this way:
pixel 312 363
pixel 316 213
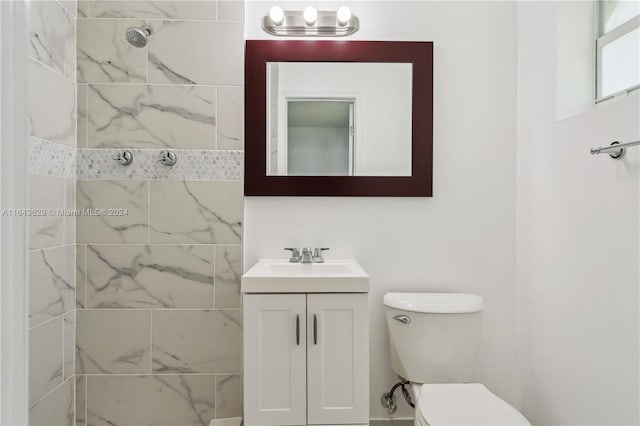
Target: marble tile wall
pixel 158 272
pixel 52 257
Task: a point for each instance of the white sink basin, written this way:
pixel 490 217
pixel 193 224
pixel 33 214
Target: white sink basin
pixel 306 269
pixel 281 276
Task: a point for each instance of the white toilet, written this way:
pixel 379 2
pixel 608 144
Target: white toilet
pixel 434 340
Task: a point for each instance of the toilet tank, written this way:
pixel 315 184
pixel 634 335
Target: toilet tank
pixel 434 337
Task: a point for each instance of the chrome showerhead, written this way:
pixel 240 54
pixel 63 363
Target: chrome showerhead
pixel 138 36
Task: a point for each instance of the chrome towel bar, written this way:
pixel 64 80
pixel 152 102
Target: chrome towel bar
pixel 616 150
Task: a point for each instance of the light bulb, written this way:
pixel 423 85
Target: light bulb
pixel 310 15
pixel 343 14
pixel 277 15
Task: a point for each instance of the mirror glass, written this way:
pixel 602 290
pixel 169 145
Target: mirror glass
pixel 339 119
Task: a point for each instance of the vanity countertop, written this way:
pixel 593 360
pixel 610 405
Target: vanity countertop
pixel 282 276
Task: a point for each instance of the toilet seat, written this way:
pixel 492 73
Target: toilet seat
pixel 458 404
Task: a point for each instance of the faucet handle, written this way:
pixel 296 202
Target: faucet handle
pixel 295 254
pixel 124 157
pixel 317 254
pixel 168 158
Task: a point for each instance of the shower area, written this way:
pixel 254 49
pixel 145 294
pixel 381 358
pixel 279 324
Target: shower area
pixel 135 124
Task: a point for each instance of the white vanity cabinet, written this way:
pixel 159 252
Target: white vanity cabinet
pixel 306 359
pixel 275 359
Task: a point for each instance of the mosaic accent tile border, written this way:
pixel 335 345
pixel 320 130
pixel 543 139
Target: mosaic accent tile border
pixel 192 164
pixel 48 158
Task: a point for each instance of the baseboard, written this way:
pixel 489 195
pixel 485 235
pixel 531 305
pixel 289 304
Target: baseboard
pixel 372 422
pixel 391 419
pixel 396 421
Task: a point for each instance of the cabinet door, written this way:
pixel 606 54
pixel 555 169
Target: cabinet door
pixel 338 359
pixel 275 351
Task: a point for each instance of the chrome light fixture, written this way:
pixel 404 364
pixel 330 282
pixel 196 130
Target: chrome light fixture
pixel 310 22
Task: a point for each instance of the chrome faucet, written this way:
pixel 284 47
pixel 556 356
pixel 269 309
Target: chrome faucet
pixel 306 255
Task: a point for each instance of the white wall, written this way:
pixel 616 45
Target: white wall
pixel 461 239
pixel 578 243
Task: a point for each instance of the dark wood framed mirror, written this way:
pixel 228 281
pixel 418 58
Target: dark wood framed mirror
pixel 312 130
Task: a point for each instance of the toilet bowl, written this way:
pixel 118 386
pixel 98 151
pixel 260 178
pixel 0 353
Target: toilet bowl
pixel 434 340
pixel 461 404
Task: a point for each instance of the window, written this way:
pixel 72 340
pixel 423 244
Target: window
pixel 618 48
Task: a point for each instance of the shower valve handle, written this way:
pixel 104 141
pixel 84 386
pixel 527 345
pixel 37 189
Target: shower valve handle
pixel 168 158
pixel 124 157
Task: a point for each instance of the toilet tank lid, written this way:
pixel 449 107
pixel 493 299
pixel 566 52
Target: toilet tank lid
pixel 435 303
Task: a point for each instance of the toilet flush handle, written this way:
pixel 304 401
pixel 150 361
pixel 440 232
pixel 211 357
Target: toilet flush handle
pixel 403 319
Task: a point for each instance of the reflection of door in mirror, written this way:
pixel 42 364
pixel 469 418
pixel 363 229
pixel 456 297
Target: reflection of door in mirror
pixel 319 138
pixel 308 111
